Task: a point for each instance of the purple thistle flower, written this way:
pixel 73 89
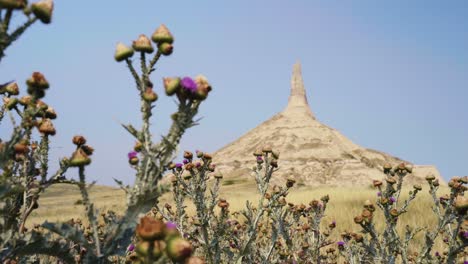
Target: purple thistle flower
pixel 334 222
pixel 131 247
pixel 179 165
pixel 340 243
pixel 392 199
pixel 437 254
pixel 171 225
pixel 132 154
pixel 198 164
pixel 465 234
pixel 186 161
pixel 188 84
pixel 379 194
pixel 259 158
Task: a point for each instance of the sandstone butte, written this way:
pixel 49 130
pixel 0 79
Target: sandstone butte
pixel 311 152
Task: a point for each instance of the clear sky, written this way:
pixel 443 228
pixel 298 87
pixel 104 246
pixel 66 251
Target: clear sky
pixel 391 76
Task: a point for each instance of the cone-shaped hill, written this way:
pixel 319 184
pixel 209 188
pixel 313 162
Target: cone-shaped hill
pixel 311 152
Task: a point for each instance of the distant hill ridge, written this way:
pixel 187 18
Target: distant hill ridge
pixel 311 152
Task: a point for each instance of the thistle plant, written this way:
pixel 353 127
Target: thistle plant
pixel 272 231
pixel 24 160
pixel 389 246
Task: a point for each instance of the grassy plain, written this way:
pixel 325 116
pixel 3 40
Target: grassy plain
pixel 61 203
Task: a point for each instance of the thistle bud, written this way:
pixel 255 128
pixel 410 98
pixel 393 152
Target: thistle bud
pixel 366 214
pixel 38 81
pixel 178 249
pixel 50 113
pixel 12 88
pixel 21 148
pixel 143 44
pixel 377 183
pixel 290 182
pixel 391 180
pixel 417 187
pixel 203 87
pixel 47 128
pixel 165 48
pixel 171 85
pixel 188 155
pixel 266 149
pixel 222 203
pixel 207 156
pixel 430 177
pixel 358 219
pixel 274 163
pixel 394 212
pixel 409 168
pixel 25 100
pixel 162 35
pixel 122 52
pixel 79 158
pixel 43 10
pixel 79 140
pixel 258 153
pixel 461 204
pixel 149 95
pixel 150 229
pixel 387 167
pixel 138 146
pixel 13 4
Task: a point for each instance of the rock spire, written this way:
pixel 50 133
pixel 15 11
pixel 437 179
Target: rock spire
pixel 297 103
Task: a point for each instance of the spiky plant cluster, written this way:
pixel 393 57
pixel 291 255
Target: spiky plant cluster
pixel 271 231
pixel 24 160
pixel 389 246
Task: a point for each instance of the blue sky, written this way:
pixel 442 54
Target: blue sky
pixel 391 76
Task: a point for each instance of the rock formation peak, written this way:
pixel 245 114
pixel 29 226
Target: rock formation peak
pixel 311 152
pixel 297 103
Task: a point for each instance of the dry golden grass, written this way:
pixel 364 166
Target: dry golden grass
pixel 58 204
